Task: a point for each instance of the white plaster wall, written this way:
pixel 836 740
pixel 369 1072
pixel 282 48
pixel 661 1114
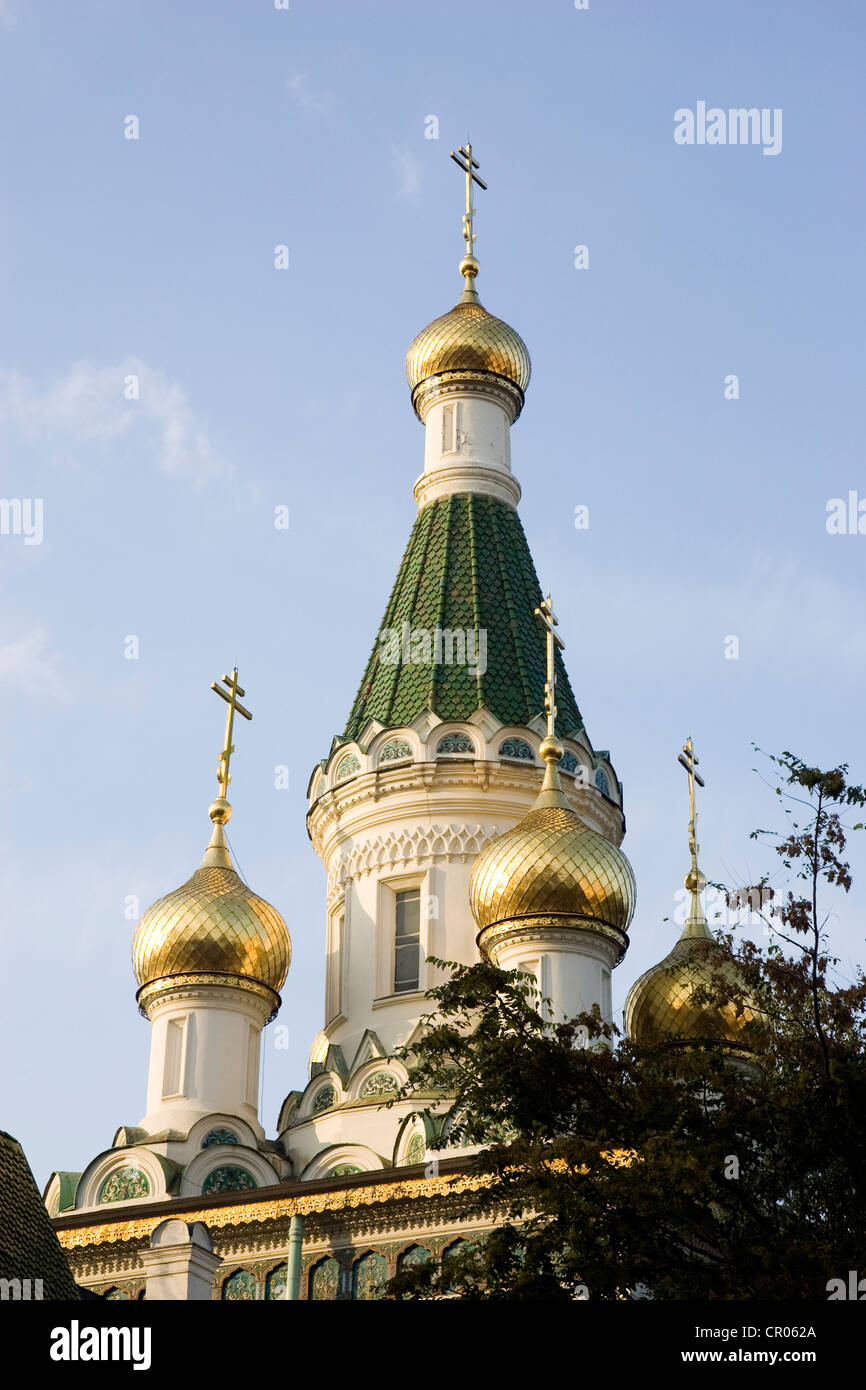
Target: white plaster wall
pixel 447 931
pixel 467 447
pixel 482 434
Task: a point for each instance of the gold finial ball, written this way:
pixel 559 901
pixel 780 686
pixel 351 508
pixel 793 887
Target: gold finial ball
pixel 469 266
pixel 695 881
pixel 551 750
pixel 220 811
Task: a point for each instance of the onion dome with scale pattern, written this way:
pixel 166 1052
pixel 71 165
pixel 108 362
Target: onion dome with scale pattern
pixel 468 347
pixel 214 930
pixel 552 870
pixel 677 1001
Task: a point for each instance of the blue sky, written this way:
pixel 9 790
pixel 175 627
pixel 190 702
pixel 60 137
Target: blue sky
pixel 263 387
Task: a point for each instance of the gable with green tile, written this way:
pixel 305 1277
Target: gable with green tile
pixel 467 566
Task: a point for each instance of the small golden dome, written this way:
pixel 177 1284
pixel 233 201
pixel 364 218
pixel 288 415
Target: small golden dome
pixel 468 340
pixel 672 1001
pixel 214 925
pixel 551 865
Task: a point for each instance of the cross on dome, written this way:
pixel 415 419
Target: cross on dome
pixel 230 697
pixel 469 267
pixel 695 881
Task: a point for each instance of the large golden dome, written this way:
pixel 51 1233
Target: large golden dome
pixel 678 1000
pixel 468 340
pixel 553 866
pixel 212 927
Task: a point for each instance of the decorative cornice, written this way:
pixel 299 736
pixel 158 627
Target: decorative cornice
pixel 465 382
pixel 479 479
pixel 242 1213
pixel 372 789
pixel 556 926
pixel 419 845
pixel 185 986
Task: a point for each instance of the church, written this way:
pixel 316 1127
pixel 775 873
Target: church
pixel 462 812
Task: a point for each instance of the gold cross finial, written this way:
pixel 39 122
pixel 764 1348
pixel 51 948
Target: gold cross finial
pixel 549 621
pixel 462 157
pixel 689 761
pixel 231 698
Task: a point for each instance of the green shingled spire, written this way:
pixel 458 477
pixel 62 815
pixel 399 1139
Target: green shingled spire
pixel 467 566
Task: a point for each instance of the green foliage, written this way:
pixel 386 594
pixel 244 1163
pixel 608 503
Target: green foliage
pixel 616 1169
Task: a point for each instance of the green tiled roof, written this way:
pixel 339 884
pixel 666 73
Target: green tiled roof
pixel 29 1248
pixel 467 565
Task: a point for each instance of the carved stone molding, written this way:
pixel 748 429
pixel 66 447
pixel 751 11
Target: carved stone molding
pixel 419 845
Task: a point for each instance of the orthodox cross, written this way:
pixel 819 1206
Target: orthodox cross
pixel 690 762
pixel 231 698
pixel 462 156
pixel 549 621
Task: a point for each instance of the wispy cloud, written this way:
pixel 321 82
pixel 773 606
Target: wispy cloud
pixel 313 103
pixel 105 403
pixel 29 666
pixel 409 171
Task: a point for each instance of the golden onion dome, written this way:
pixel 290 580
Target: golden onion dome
pixel 468 344
pixel 212 930
pixel 552 866
pixel 678 1000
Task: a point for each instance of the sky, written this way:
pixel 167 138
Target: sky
pixel 158 565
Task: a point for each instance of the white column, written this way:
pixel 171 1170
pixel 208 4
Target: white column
pixel 467 447
pixel 181 1263
pixel 204 1057
pixel 572 968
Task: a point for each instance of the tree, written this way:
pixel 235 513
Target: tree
pixel 615 1169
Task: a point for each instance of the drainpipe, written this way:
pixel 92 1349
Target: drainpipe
pixel 296 1243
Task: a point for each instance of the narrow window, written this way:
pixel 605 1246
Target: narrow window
pixel 253 1067
pixel 407 941
pixel 171 1079
pixel 448 442
pixel 335 968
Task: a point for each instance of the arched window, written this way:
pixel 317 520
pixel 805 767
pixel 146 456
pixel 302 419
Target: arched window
pixel 455 745
pixel 347 767
pixel 518 749
pixel 368 1275
pixel 602 783
pixel 449 1255
pixel 415 1255
pixel 381 1083
pixel 228 1178
pixel 240 1285
pixel 568 763
pixel 396 750
pixel 417 1149
pixel 325 1280
pixel 325 1098
pixel 344 1170
pixel 275 1283
pixel 124 1185
pixel 219 1136
pixel 118 1293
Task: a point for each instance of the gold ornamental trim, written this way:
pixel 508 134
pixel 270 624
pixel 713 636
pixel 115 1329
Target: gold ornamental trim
pixel 192 979
pixel 244 1213
pixel 515 926
pixel 467 380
